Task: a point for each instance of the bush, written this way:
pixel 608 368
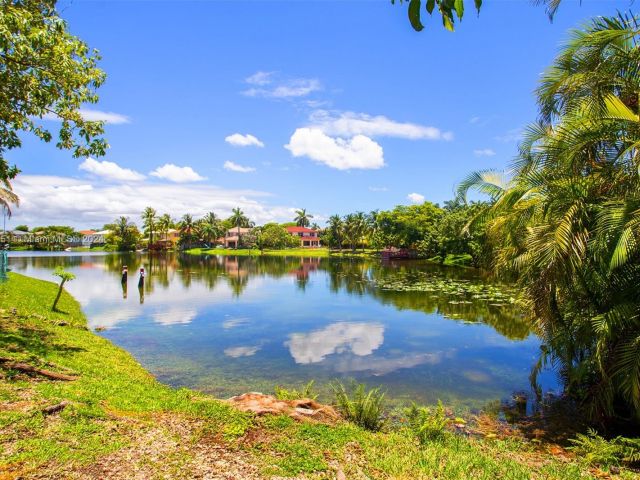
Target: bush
pixel 427 424
pixel 293 394
pixel 364 409
pixel 596 449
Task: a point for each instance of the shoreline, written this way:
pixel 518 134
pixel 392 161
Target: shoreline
pixel 115 406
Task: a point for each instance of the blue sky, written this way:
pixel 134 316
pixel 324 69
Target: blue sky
pixel 350 109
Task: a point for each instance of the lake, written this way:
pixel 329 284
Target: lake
pixel 226 325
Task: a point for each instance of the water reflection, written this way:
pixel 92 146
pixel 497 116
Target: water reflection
pixel 230 324
pixel 359 338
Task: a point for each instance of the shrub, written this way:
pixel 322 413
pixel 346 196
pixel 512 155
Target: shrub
pixel 427 424
pixel 596 449
pixel 364 407
pixel 293 394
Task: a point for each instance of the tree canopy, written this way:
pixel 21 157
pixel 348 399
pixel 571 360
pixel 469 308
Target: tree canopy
pixel 46 73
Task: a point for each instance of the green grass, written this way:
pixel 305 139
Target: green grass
pixel 114 398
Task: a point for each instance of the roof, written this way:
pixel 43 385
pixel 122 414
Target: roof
pixel 300 230
pixel 87 232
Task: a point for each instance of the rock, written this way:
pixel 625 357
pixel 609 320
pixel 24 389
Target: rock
pixel 302 409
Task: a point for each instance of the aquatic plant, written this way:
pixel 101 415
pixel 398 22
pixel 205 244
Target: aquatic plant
pixel 362 407
pixel 598 450
pixel 307 391
pixel 427 424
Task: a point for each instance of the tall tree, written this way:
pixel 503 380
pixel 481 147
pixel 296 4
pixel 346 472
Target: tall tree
pixel 149 218
pixel 164 224
pixel 302 218
pixel 335 231
pixel 239 220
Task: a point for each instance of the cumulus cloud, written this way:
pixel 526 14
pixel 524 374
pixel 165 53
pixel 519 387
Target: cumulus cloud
pixel 234 167
pixel 484 152
pixel 109 118
pixel 177 174
pixel 343 154
pixel 110 170
pixel 415 198
pixel 239 140
pixel 378 189
pixel 81 203
pixel 270 85
pixel 347 124
pixel 361 339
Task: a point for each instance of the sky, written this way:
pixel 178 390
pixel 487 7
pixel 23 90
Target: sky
pixel 331 106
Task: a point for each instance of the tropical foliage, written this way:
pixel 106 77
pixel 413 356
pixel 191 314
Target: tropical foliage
pixel 566 222
pixel 124 234
pixel 45 72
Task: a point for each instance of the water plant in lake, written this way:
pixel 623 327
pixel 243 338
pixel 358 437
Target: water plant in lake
pixel 363 407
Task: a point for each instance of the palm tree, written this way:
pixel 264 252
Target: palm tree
pixel 302 218
pixel 149 217
pixel 210 227
pixel 164 224
pixel 7 197
pixel 238 220
pixel 188 230
pixel 336 230
pixel 567 221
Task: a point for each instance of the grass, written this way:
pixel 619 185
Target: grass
pixel 119 417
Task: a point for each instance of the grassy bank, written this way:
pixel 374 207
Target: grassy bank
pixel 121 423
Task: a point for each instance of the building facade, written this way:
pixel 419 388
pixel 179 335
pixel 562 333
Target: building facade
pixel 308 236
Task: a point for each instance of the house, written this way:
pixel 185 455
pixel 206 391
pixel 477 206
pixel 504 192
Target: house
pixel 233 236
pixel 88 237
pixel 168 239
pixel 308 236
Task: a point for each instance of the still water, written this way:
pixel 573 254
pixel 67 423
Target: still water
pixel 227 325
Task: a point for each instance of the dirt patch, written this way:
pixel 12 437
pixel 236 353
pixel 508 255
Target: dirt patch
pixel 302 409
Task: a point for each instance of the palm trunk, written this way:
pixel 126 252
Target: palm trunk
pixel 55 302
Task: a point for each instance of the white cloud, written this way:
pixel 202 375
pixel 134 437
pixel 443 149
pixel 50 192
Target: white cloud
pixel 358 152
pixel 110 170
pixel 259 78
pixel 235 352
pixel 347 124
pixel 110 118
pixel 81 203
pixel 361 339
pixel 265 84
pixel 378 189
pixel 234 167
pixel 239 140
pixel 415 198
pixel 174 315
pixel 484 152
pixel 512 135
pixel 177 174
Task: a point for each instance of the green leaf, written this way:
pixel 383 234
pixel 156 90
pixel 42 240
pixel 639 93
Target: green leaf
pixel 478 5
pixel 430 6
pixel 414 15
pixel 459 8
